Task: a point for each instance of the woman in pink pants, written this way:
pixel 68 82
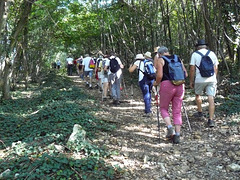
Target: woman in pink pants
pixel 169 94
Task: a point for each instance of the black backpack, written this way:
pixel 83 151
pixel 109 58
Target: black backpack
pixel 114 65
pixel 206 66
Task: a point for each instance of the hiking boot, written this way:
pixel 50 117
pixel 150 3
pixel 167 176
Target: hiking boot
pixel 116 102
pixel 148 115
pixel 169 133
pixel 176 139
pixel 211 123
pixel 198 114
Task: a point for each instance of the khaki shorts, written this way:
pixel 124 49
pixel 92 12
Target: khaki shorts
pixel 209 87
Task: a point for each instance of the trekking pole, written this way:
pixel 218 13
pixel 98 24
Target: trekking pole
pixel 185 111
pixel 131 91
pixel 157 103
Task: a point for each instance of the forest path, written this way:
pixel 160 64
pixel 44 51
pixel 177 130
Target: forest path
pixel 206 153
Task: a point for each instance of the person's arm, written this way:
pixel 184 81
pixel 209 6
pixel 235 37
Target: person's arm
pixel 155 59
pixel 159 67
pixel 83 67
pixel 132 68
pixel 185 70
pixel 192 74
pixel 216 69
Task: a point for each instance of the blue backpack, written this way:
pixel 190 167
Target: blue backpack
pixel 175 69
pixel 149 69
pixel 206 66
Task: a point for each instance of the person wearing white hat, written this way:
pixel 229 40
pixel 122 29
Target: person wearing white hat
pixel 144 83
pixel 148 55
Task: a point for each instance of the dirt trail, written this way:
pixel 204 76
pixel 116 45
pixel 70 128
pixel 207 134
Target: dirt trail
pixel 204 154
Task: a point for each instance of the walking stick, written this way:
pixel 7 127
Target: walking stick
pixel 157 103
pixel 185 111
pixel 131 91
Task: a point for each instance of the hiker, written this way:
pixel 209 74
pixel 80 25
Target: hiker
pixel 105 77
pixel 98 72
pixel 147 55
pixel 144 83
pixel 169 93
pixel 115 67
pixel 69 62
pixel 201 84
pixel 155 89
pixel 156 55
pixel 54 65
pixel 80 67
pixel 58 64
pixel 88 72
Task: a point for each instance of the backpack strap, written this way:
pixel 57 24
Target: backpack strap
pixel 207 53
pixel 199 53
pixel 140 65
pixel 175 58
pixel 202 56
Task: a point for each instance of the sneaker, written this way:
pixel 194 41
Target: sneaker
pixel 211 123
pixel 176 139
pixel 169 133
pixel 198 114
pixel 116 102
pixel 147 115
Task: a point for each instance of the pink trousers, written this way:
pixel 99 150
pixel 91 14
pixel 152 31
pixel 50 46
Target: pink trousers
pixel 170 93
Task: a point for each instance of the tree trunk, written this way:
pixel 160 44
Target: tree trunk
pixel 14 37
pixel 6 79
pixel 207 25
pixel 25 56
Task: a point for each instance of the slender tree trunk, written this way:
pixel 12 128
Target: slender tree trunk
pixel 20 25
pixel 25 56
pixel 6 79
pixel 206 16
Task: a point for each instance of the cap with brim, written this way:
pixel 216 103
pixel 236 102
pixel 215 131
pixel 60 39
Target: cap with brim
pixel 201 42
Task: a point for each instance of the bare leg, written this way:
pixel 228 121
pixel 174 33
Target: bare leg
pixel 211 107
pixel 199 103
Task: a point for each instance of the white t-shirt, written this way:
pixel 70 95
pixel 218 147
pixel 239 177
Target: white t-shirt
pixel 69 60
pixel 86 62
pixel 140 65
pixel 196 59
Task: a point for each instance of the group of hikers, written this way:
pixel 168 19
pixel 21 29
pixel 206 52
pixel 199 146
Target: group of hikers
pixel 164 74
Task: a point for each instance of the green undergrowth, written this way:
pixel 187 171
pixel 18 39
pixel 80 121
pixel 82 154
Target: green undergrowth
pixel 38 120
pixel 230 101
